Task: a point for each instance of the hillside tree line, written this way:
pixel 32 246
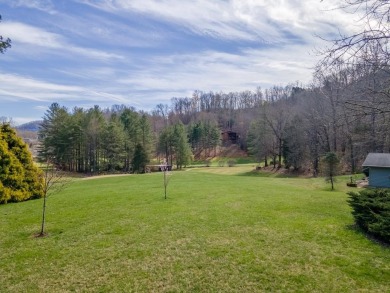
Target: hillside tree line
pixel 344 111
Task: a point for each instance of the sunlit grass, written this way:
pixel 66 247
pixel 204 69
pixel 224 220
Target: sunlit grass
pixel 216 232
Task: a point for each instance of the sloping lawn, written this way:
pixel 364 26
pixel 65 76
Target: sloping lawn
pixel 216 232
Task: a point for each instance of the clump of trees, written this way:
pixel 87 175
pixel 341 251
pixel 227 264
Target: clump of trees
pixel 173 145
pixel 20 179
pixel 204 137
pixel 119 139
pixel 95 140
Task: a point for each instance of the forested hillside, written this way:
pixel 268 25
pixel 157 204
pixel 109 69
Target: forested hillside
pixel 345 112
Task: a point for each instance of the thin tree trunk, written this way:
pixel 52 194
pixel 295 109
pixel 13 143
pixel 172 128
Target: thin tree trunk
pixel 165 184
pixel 280 153
pixel 331 181
pixel 42 233
pixel 352 156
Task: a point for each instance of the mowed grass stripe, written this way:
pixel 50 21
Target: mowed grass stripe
pixel 214 233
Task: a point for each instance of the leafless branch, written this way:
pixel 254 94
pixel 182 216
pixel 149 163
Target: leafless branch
pixel 55 180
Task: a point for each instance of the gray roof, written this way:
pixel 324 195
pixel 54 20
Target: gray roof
pixel 377 160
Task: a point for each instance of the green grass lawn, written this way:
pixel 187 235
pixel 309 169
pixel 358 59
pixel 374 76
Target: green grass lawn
pixel 218 231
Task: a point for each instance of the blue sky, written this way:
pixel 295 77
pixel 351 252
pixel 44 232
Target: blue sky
pixel 144 52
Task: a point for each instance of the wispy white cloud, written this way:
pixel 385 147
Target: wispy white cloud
pixel 267 20
pixel 56 44
pixel 28 34
pixel 43 5
pixel 27 88
pixel 104 30
pixel 209 18
pixel 94 54
pixel 16 86
pixel 217 71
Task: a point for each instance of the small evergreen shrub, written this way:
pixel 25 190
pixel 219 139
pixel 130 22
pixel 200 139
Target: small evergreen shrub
pixel 20 179
pixel 371 210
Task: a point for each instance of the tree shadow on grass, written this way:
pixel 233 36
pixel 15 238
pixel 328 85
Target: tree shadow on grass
pixel 270 174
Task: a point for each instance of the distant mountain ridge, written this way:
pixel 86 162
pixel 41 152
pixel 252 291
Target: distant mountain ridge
pixel 30 126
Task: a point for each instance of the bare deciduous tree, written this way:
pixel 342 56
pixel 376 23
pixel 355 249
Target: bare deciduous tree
pixel 365 52
pixel 55 180
pixel 371 40
pixel 165 168
pixel 331 162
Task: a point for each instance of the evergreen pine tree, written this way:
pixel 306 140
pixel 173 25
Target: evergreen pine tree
pixel 182 147
pixel 140 159
pixel 114 145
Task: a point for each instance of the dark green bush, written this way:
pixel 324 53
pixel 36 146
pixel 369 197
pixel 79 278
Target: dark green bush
pixel 20 179
pixel 371 210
